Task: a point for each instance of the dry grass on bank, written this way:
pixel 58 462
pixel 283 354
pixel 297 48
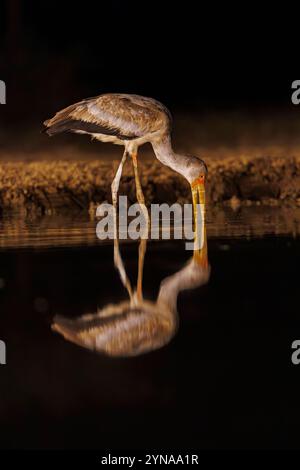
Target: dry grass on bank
pixel 51 186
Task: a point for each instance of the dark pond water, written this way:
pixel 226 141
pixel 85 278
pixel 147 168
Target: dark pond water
pixel 224 380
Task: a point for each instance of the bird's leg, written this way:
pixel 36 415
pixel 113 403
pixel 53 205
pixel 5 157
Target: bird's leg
pixel 117 256
pixel 116 181
pixel 114 190
pixel 120 267
pixel 142 252
pixel 139 191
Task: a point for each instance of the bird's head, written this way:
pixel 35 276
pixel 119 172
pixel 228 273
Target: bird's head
pixel 196 170
pixel 196 173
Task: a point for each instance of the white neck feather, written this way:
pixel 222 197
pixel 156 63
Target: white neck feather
pixel 166 155
pixel 192 275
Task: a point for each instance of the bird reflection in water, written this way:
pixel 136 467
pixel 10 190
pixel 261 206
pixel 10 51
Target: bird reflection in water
pixel 137 326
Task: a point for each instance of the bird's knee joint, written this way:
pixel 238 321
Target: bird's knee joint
pixel 134 157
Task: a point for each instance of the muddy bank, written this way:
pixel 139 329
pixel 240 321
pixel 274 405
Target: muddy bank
pixel 54 186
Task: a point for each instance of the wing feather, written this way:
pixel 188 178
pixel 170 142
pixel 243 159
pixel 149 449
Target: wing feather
pixel 125 116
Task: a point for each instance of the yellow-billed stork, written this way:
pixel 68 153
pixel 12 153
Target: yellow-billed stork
pixel 131 120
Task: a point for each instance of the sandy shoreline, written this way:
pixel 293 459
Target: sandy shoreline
pixel 53 186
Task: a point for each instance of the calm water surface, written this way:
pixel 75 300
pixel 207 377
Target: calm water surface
pixel 217 372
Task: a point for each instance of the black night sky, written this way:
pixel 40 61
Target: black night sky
pixel 54 53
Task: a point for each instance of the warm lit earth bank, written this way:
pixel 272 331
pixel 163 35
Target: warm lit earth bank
pixel 52 186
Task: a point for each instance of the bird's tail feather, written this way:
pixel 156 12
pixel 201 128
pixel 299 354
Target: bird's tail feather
pixel 55 128
pixel 75 125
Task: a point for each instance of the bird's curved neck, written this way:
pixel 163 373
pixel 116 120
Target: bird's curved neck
pixel 189 277
pixel 165 153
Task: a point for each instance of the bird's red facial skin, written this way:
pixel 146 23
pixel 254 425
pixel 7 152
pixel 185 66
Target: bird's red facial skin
pixel 197 181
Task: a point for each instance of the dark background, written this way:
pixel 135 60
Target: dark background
pixel 54 53
pixel 225 381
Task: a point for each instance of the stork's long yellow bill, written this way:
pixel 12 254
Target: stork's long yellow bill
pixel 198 193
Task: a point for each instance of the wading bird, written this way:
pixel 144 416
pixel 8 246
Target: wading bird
pixel 131 120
